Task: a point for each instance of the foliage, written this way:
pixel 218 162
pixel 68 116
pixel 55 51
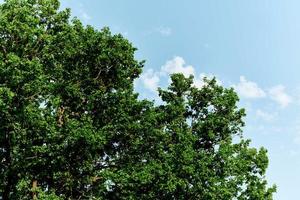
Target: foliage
pixel 71 123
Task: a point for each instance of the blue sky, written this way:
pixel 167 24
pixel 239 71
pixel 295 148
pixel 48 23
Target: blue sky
pixel 252 45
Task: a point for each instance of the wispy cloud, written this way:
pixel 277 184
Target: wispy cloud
pixel 164 30
pixel 293 153
pixel 278 94
pixel 83 14
pixel 296 130
pixel 265 115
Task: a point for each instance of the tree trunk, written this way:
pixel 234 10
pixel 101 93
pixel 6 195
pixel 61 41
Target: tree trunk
pixel 34 187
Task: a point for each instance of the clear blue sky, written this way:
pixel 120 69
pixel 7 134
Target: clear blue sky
pixel 253 46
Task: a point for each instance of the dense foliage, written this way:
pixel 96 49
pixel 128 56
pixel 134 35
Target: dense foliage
pixel 71 126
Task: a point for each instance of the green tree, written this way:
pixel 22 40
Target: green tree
pixel 71 126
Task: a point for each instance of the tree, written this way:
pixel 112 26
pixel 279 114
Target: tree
pixel 72 127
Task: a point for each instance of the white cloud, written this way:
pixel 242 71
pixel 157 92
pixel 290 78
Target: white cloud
pixel 265 115
pixel 177 65
pixel 278 94
pixel 198 82
pixel 150 79
pixel 164 31
pixel 249 89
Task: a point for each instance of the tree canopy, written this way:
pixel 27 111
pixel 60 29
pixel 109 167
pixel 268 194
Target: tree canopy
pixel 72 127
